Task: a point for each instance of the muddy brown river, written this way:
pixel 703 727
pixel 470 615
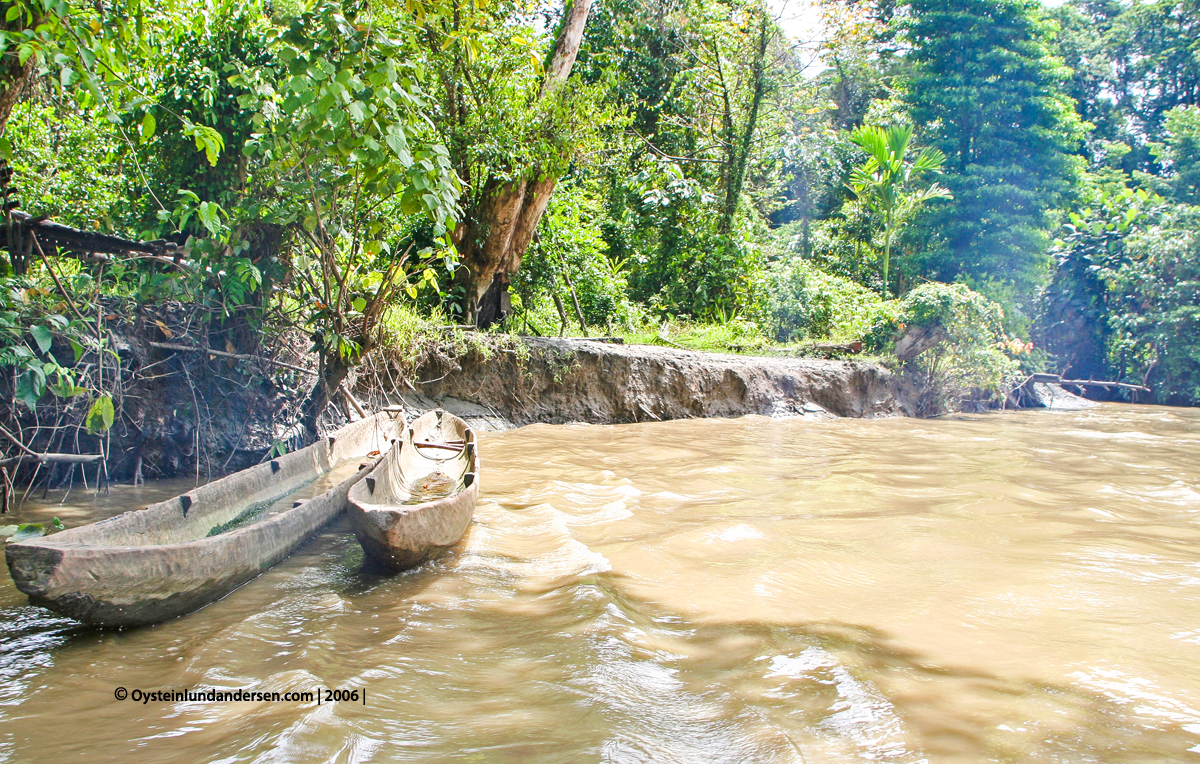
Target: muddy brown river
pixel 1018 587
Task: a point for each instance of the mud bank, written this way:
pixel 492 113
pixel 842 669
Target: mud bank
pixel 570 380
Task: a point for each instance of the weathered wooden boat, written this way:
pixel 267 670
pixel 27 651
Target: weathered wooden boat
pixel 148 565
pixel 419 499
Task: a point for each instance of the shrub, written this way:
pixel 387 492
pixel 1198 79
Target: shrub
pixel 972 362
pixel 807 303
pixel 1155 308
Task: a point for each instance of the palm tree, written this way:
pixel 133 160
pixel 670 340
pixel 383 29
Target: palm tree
pixel 887 182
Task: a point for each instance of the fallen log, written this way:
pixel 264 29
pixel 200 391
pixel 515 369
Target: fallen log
pixel 13 461
pixel 89 241
pixel 1055 379
pixel 838 347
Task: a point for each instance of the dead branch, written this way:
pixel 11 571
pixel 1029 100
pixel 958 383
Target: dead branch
pixel 1054 379
pixel 50 459
pixel 235 356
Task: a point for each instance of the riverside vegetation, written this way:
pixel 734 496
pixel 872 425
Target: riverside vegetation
pixel 342 180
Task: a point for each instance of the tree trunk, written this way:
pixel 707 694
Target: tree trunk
pixel 494 240
pixel 14 76
pixel 740 145
pixel 333 375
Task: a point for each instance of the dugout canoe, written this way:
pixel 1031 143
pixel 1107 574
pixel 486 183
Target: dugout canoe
pixel 393 514
pixel 152 564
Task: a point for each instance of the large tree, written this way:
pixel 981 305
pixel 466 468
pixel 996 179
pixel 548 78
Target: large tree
pixel 1131 64
pixel 986 85
pixel 505 194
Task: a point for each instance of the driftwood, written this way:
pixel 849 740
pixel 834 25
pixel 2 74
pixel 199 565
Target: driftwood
pixel 1055 379
pixel 13 461
pixel 839 347
pixel 918 339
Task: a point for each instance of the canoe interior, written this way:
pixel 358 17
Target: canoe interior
pixel 193 515
pixel 420 498
pixel 413 472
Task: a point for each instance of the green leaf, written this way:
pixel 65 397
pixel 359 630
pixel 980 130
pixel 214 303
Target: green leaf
pixel 359 304
pixel 65 389
pixel 101 416
pixel 30 387
pixel 210 216
pixel 77 349
pixel 43 337
pixel 148 127
pixel 207 139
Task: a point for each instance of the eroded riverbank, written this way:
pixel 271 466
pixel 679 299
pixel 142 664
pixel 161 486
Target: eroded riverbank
pixel 1019 586
pixel 556 381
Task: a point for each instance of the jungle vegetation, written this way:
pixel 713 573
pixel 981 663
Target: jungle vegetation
pixel 1026 178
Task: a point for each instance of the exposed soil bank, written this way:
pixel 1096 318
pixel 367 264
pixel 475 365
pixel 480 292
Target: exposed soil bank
pixel 565 380
pixel 175 413
pixel 194 413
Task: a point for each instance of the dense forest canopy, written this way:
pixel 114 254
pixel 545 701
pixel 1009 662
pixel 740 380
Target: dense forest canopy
pixel 1021 181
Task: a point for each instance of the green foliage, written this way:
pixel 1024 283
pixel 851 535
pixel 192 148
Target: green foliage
pixel 94 54
pixel 807 303
pixel 183 135
pixel 1132 63
pixel 320 164
pixel 682 264
pixel 973 361
pixel 571 248
pixel 1076 304
pixel 736 335
pixel 1180 153
pixel 709 86
pixel 68 165
pixel 887 181
pixel 989 90
pixel 101 415
pixel 1154 306
pixel 338 115
pixel 347 154
pixel 493 114
pixel 27 332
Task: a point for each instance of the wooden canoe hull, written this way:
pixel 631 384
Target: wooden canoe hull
pixel 153 564
pixel 403 536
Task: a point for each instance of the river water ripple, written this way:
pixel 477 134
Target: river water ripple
pixel 1008 587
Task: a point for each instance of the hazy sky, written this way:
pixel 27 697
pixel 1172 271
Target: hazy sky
pixel 801 19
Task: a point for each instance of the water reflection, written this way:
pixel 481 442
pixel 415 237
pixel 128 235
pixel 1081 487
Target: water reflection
pixel 1011 587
